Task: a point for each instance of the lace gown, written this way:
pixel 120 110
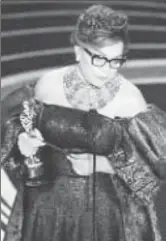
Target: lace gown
pixel 63 210
pixel 63 207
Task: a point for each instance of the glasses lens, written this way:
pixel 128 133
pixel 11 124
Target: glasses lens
pixel 117 63
pixel 98 61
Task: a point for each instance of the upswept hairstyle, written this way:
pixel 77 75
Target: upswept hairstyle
pixel 99 24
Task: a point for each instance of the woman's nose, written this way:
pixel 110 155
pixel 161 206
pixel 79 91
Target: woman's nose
pixel 106 69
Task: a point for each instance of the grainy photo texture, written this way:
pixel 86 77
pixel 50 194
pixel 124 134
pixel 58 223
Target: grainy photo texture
pixel 83 127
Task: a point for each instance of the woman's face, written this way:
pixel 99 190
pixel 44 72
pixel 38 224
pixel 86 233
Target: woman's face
pixel 98 75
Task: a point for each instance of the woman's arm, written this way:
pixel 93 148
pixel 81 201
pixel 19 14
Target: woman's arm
pixel 133 153
pixel 49 88
pixel 94 133
pixel 11 107
pixel 43 88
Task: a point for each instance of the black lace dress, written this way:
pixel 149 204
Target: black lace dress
pixel 66 206
pixel 63 209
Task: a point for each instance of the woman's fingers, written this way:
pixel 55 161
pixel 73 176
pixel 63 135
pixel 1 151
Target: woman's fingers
pixel 29 145
pixel 83 164
pixel 83 156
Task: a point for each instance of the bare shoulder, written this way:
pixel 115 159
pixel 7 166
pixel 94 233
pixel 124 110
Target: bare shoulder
pixel 130 91
pixel 131 100
pixel 50 84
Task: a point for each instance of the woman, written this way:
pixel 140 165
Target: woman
pixel 81 201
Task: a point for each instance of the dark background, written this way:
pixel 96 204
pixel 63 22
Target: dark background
pixel 35 35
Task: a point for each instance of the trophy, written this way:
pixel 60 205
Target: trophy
pixel 33 166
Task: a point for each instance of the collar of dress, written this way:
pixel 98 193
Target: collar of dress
pixel 82 95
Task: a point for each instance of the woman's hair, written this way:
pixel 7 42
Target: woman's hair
pixel 100 24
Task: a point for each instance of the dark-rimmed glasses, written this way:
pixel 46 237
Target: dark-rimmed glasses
pixel 100 61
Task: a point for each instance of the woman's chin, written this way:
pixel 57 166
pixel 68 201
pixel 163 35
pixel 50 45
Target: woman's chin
pixel 102 81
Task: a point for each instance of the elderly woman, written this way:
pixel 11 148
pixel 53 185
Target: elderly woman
pixel 100 172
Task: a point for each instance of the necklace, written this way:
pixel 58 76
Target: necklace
pixel 82 95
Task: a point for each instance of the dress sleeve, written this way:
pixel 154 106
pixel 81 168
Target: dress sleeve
pixel 135 146
pixel 148 133
pixel 102 135
pixel 146 167
pixel 76 129
pixel 137 150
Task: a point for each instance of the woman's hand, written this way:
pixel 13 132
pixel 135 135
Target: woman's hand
pixel 29 143
pixel 83 164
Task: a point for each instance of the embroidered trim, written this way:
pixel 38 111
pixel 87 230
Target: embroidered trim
pixel 12 130
pixel 85 96
pixel 137 176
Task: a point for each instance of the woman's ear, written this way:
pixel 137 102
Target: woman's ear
pixel 77 51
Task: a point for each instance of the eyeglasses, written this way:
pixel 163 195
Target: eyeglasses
pixel 100 61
